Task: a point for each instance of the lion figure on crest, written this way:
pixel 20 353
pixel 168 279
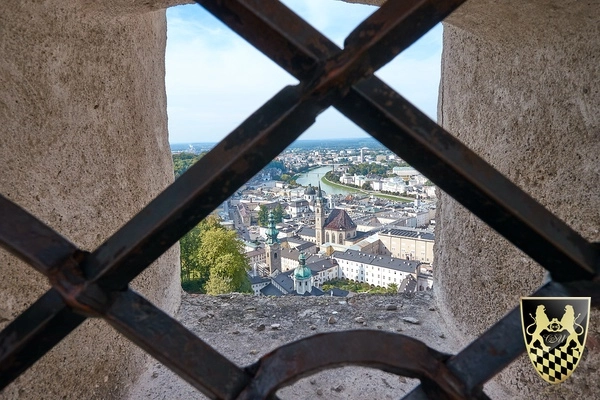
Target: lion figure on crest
pixel 541 323
pixel 569 323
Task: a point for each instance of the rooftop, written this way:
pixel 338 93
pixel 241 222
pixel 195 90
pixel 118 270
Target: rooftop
pixel 407 233
pixel 379 261
pixel 304 231
pixel 339 220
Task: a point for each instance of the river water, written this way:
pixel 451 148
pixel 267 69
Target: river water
pixel 313 177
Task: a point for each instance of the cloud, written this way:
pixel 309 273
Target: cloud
pixel 215 79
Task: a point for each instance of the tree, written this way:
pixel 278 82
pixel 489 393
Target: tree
pixel 227 275
pixel 193 276
pixel 204 252
pixel 276 164
pixel 278 213
pixel 183 161
pixel 263 216
pixel 285 177
pixel 222 252
pixel 332 177
pixel 367 186
pixel 392 288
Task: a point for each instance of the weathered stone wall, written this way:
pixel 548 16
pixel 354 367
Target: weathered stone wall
pixel 83 146
pixel 520 87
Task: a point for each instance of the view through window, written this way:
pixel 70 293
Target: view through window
pixel 372 204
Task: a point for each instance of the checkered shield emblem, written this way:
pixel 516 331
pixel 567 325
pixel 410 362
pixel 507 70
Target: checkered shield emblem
pixel 555 329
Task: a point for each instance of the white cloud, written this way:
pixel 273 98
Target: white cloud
pixel 215 79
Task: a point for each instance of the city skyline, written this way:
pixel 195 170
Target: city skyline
pixel 215 80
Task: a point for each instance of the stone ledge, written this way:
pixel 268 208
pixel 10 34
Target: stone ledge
pixel 232 325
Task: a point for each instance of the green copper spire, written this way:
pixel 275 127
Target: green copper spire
pixel 271 231
pixel 302 271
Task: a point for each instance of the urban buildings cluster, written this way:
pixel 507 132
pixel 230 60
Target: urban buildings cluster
pixel 323 236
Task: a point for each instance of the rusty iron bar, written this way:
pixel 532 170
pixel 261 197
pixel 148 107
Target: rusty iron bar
pixel 158 226
pixel 115 263
pixel 40 246
pixel 470 180
pixel 386 351
pixel 209 182
pixel 400 126
pixel 236 159
pixel 77 298
pixel 33 333
pixel 214 375
pixel 502 343
pixel 175 346
pixel 31 240
pixel 298 47
pixel 306 104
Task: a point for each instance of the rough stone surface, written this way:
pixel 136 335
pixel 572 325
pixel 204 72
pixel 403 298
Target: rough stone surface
pixel 296 315
pixel 520 88
pixel 83 147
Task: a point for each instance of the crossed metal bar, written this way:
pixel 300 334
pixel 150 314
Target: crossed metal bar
pixel 95 284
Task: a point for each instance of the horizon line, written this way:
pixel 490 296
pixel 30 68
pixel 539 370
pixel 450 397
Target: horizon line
pixel 297 140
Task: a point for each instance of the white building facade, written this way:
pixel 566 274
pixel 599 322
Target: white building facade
pixel 375 270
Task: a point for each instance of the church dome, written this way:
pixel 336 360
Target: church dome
pixel 302 271
pixel 310 190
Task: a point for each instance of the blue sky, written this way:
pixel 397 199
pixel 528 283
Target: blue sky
pixel 215 79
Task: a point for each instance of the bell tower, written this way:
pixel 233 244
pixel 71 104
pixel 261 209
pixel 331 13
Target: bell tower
pixel 273 248
pixel 319 217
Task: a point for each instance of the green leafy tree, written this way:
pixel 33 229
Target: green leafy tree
pixel 357 287
pixel 193 275
pixel 263 216
pixel 226 276
pixel 332 177
pixel 222 252
pixel 278 213
pixel 367 186
pixel 203 252
pixel 366 169
pixel 183 161
pixel 285 177
pixel 392 288
pixel 276 164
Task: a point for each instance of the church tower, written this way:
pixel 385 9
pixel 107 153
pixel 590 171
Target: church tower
pixel 273 249
pixel 319 217
pixel 302 276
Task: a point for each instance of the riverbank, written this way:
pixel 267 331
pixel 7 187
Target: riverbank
pixel 369 192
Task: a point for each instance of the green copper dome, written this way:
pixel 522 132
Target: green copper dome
pixel 302 271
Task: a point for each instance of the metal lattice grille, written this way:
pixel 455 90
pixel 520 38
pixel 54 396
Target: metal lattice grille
pixel 96 284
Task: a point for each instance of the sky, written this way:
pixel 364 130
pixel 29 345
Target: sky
pixel 215 79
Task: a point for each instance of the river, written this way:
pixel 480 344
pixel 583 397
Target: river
pixel 313 177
